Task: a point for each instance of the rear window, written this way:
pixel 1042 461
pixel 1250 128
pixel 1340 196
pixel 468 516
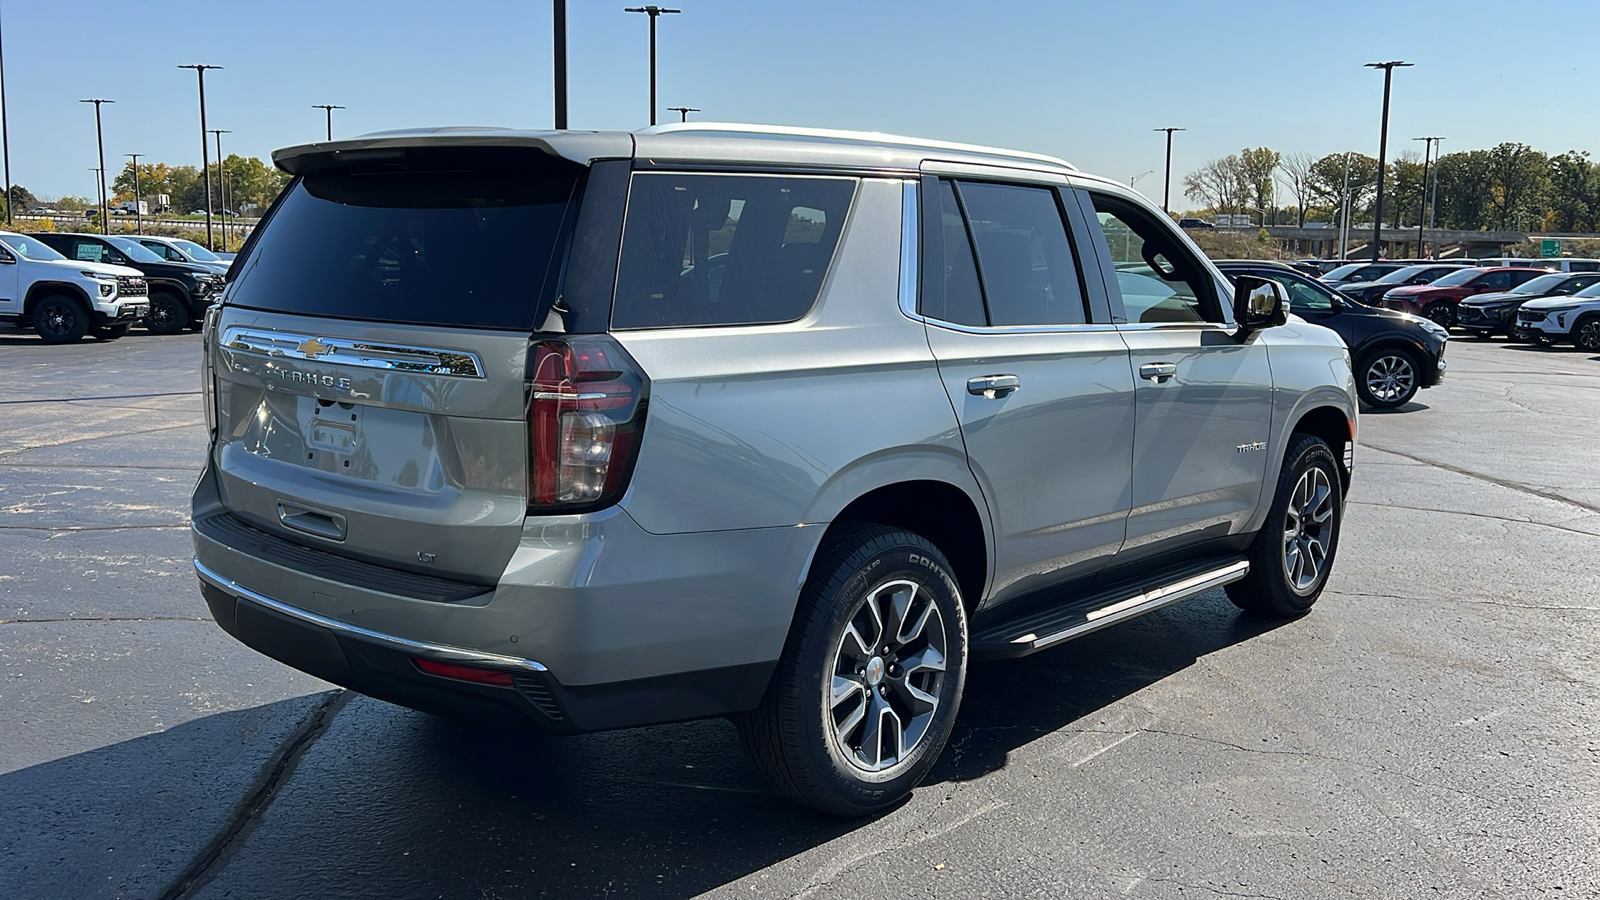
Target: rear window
pixel 726 249
pixel 467 247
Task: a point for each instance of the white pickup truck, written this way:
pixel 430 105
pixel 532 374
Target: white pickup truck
pixel 64 299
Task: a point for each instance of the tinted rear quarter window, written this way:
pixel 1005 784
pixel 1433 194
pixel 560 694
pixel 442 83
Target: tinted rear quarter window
pixel 707 249
pixel 467 244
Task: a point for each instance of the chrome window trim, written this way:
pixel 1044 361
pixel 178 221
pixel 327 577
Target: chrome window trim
pixel 345 352
pixel 441 652
pixel 1022 329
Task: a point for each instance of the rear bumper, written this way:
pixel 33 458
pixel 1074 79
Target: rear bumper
pixel 599 624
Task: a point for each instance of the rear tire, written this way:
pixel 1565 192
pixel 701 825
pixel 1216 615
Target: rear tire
pixel 60 319
pixel 1294 551
pixel 168 314
pixel 866 692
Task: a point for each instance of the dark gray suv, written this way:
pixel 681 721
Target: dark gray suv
pixel 611 429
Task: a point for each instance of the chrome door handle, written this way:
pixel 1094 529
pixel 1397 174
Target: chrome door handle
pixel 1158 372
pixel 993 386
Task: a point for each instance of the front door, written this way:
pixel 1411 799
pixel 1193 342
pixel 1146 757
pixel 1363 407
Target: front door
pixel 1203 397
pixel 1042 391
pixel 10 283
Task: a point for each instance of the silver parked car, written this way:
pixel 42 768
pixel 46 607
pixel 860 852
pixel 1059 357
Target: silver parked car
pixel 611 429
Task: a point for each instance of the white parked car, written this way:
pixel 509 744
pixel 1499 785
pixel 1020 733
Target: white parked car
pixel 65 299
pixel 1556 319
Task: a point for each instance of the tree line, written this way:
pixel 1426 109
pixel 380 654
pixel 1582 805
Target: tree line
pixel 247 178
pixel 1511 187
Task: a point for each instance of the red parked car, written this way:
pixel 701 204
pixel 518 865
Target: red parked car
pixel 1438 300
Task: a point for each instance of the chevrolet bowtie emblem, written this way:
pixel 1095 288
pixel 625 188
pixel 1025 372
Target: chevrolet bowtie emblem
pixel 313 348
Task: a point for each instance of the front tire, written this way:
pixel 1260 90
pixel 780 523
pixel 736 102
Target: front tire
pixel 866 692
pixel 168 314
pixel 1388 378
pixel 1292 555
pixel 1443 315
pixel 60 319
pixel 1586 334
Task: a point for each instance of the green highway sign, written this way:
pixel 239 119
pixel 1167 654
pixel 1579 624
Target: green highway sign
pixel 1549 248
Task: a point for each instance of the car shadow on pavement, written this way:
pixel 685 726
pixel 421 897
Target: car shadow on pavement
pixel 1407 407
pixel 389 802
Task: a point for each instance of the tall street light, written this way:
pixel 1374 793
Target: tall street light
pixel 558 9
pixel 1422 214
pixel 105 212
pixel 684 111
pixel 654 12
pixel 205 164
pixel 138 213
pixel 1166 196
pixel 328 108
pixel 222 185
pixel 5 136
pixel 1383 149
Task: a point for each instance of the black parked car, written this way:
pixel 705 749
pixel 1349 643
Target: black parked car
pixel 1489 314
pixel 1350 273
pixel 1395 354
pixel 1370 292
pixel 179 292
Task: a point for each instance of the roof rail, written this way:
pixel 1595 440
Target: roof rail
pixel 865 137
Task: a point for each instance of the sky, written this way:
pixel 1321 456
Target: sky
pixel 1084 81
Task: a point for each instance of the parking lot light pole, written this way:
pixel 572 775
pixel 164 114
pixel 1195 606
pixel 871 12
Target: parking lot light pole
pixel 1422 214
pixel 222 186
pixel 1166 194
pixel 684 111
pixel 138 214
pixel 205 164
pixel 5 135
pixel 105 212
pixel 328 108
pixel 1383 149
pixel 654 12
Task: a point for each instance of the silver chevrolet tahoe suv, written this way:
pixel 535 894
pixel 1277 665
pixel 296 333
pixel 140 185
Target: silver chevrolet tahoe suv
pixel 614 429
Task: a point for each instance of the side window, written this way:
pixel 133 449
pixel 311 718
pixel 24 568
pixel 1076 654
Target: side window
pixel 87 251
pixel 726 249
pixel 963 299
pixel 1302 296
pixel 1159 278
pixel 1574 285
pixel 1025 261
pixel 1496 281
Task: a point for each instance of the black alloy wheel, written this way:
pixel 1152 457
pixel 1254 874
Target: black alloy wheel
pixel 60 319
pixel 167 315
pixel 1586 334
pixel 1443 315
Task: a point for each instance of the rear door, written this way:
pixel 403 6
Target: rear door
pixel 1204 398
pixel 371 356
pixel 1037 373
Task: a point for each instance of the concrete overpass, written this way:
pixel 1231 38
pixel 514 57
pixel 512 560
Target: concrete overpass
pixel 1399 243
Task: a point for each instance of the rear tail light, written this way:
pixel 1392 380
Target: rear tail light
pixel 463 673
pixel 586 412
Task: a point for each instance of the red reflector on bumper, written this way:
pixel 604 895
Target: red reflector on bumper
pixel 463 673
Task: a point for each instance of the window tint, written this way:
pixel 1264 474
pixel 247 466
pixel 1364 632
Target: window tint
pixel 1302 295
pixel 1495 281
pixel 1159 279
pixel 465 246
pixel 1027 267
pixel 963 300
pixel 726 249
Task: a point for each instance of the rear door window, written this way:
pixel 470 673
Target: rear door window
pixel 467 244
pixel 702 249
pixel 1029 272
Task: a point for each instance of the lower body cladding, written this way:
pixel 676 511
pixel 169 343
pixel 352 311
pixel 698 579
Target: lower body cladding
pixel 595 625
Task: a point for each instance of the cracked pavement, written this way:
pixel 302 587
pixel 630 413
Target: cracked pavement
pixel 1430 729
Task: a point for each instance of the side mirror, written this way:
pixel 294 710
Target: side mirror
pixel 1258 303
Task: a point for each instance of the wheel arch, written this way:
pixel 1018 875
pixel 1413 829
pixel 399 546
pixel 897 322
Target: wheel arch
pixel 42 289
pixel 1335 428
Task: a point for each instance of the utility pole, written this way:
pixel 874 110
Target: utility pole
pixel 1344 212
pixel 329 108
pixel 559 9
pixel 222 186
pixel 105 211
pixel 1422 189
pixel 654 12
pixel 5 135
pixel 1383 149
pixel 138 213
pixel 684 110
pixel 205 164
pixel 1166 195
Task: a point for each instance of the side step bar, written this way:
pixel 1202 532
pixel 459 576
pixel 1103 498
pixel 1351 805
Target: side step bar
pixel 1009 640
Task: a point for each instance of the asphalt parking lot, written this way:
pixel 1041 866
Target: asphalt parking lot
pixel 1431 729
